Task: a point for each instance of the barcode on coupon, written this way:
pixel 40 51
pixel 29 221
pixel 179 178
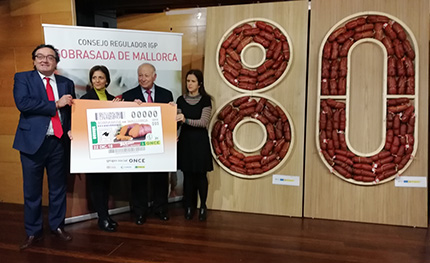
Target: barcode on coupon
pixel 127 150
pixel 116 115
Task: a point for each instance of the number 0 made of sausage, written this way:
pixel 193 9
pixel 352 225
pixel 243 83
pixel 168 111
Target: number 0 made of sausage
pixel 254 54
pixel 251 136
pixel 399 102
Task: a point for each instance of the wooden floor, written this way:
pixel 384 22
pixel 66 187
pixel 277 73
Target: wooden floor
pixel 224 237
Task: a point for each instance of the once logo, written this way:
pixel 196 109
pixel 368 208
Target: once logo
pixel 136 160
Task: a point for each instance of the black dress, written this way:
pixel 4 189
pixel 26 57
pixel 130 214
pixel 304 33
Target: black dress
pixel 99 183
pixel 194 154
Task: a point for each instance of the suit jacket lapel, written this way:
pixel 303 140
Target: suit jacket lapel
pixel 139 94
pixel 61 86
pixel 40 87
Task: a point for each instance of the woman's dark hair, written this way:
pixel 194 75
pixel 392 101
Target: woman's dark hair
pixel 102 69
pixel 199 75
pixel 33 54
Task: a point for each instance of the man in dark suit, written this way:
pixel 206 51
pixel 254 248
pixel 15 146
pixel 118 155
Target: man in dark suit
pixel 43 99
pixel 147 91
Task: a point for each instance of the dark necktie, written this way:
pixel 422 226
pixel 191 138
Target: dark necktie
pixel 56 123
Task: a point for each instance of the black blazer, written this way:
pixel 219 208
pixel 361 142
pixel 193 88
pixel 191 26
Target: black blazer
pixel 161 95
pixel 92 95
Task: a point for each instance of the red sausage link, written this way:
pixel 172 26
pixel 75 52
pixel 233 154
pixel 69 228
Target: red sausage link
pixel 240 100
pixel 270 131
pixel 252 158
pixel 233 53
pixel 268 159
pixel 224 161
pixel 235 121
pixel 389 31
pixel 237 169
pixel 408 49
pixel 261 118
pixel 229 138
pixel 364 27
pixel 221 56
pixel 399 30
pixel 377 19
pixel 342 171
pixel 281 114
pixel 251 31
pixel 228 41
pixel 242 45
pixel 250 103
pixel 216 129
pixel 236 161
pixel 284 150
pixel 253 165
pixel 247 112
pixel 267 148
pixel 337 33
pixel 216 147
pixel 358 159
pixel 356 22
pixel 225 111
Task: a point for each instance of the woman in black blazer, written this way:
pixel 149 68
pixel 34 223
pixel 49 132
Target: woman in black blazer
pixel 99 183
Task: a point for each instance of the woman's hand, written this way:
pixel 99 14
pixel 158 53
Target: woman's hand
pixel 180 117
pixel 117 99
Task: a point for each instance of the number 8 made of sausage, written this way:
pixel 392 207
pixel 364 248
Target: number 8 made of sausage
pixel 241 154
pixel 254 54
pixel 398 143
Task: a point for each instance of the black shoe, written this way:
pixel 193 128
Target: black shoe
pixel 112 222
pixel 30 240
pixel 140 219
pixel 202 214
pixel 189 213
pixel 60 233
pixel 106 226
pixel 162 215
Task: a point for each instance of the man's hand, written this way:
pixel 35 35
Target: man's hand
pixel 64 100
pixel 138 101
pixel 70 135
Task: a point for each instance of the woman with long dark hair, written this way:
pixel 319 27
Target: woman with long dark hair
pixel 194 155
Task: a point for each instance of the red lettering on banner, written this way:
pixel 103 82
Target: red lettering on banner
pixel 155 56
pixel 123 55
pixel 91 54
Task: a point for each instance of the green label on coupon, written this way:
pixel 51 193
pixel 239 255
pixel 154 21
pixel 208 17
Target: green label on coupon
pixel 94 132
pixel 150 143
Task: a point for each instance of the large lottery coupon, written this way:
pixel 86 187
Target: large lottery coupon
pixel 117 137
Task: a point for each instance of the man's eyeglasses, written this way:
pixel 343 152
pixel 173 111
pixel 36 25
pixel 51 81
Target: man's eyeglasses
pixel 41 57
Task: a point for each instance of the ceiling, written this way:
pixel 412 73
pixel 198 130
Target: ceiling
pixel 125 7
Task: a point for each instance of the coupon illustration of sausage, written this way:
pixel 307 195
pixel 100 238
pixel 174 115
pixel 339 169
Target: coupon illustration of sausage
pixel 124 131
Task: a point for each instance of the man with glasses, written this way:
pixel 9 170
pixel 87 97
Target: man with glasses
pixel 42 137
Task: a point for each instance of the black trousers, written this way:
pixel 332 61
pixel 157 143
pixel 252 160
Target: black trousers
pixel 141 183
pixel 195 182
pixel 99 185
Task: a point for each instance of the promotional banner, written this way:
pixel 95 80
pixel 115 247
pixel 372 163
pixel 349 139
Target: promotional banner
pixel 121 51
pixel 119 137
